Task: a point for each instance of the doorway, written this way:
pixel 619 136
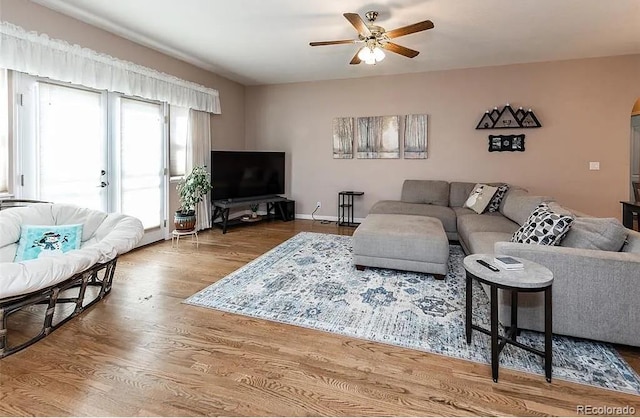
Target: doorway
pixel 94 149
pixel 635 147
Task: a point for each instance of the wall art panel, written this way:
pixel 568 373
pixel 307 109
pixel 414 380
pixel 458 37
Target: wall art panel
pixel 377 137
pixel 343 138
pixel 415 136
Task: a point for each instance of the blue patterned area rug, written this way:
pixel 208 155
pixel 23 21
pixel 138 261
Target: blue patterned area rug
pixel 311 281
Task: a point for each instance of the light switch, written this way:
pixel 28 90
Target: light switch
pixel 594 165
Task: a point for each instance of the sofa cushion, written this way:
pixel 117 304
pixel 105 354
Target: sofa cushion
pixel 446 215
pixel 459 192
pixel 494 205
pixel 518 205
pixel 469 224
pixel 632 243
pixel 480 197
pixel 543 227
pixel 483 242
pixel 433 192
pixel 512 189
pixel 558 208
pixel 90 219
pixel 464 211
pixel 9 237
pixel 606 234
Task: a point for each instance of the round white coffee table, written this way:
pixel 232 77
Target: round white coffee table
pixel 532 278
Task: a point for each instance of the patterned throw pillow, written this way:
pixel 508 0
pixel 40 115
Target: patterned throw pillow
pixel 38 241
pixel 494 205
pixel 480 197
pixel 543 227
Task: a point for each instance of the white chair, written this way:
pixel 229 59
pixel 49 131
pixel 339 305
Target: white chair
pixel 79 277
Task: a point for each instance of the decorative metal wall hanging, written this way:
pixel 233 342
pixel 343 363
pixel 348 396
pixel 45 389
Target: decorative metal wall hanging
pixel 506 143
pixel 343 138
pixel 415 136
pixel 507 118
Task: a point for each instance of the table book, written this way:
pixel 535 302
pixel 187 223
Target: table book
pixel 508 263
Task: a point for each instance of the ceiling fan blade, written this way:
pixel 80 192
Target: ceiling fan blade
pixel 355 59
pixel 399 49
pixel 358 23
pixel 406 30
pixel 344 41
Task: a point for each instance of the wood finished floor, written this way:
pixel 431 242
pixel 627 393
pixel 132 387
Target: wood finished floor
pixel 142 352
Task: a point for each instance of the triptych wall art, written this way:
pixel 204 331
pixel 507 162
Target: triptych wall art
pixel 379 136
pixel 343 138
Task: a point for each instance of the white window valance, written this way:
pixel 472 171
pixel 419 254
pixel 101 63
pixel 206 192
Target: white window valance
pixel 39 55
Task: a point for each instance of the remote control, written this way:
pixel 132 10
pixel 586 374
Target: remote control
pixel 487 265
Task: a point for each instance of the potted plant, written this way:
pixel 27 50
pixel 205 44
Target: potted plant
pixel 192 189
pixel 254 210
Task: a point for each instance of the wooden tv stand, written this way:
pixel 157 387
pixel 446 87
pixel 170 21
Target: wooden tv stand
pixel 221 208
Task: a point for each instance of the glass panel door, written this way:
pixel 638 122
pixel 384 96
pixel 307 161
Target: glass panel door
pixel 71 146
pixel 141 139
pixel 4 133
pixel 94 149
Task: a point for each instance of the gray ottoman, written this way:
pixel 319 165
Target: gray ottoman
pixel 402 242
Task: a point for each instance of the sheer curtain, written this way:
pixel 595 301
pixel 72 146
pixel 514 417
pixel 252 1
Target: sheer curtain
pixel 39 55
pixel 4 133
pixel 198 153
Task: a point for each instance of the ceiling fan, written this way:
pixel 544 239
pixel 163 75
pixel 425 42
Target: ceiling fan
pixel 375 38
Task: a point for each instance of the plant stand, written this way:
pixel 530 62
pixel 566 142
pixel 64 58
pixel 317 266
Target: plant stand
pixel 176 234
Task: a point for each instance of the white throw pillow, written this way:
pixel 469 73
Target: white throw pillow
pixel 480 197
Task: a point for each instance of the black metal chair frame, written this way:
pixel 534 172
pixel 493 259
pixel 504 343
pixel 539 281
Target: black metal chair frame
pixel 98 275
pixel 17 203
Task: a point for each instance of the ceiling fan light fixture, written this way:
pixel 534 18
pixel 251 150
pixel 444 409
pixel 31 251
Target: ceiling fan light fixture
pixel 378 54
pixel 371 54
pixel 366 54
pixel 376 38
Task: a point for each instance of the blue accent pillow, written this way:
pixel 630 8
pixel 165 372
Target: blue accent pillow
pixel 37 241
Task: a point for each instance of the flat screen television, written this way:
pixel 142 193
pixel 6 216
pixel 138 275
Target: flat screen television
pixel 237 175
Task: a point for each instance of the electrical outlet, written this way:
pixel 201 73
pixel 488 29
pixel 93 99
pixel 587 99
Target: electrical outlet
pixel 318 205
pixel 594 165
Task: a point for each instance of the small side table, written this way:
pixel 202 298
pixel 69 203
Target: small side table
pixel 176 234
pixel 629 211
pixel 533 278
pixel 345 208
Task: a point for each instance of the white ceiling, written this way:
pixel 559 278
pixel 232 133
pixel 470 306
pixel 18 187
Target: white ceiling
pixel 267 41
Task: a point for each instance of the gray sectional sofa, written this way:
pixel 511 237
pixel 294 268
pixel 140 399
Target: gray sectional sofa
pixel 594 291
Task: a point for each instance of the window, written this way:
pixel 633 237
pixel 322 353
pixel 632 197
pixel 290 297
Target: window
pixel 4 133
pixel 141 133
pixel 179 118
pixel 70 147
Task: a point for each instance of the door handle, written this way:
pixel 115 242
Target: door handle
pixel 103 184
